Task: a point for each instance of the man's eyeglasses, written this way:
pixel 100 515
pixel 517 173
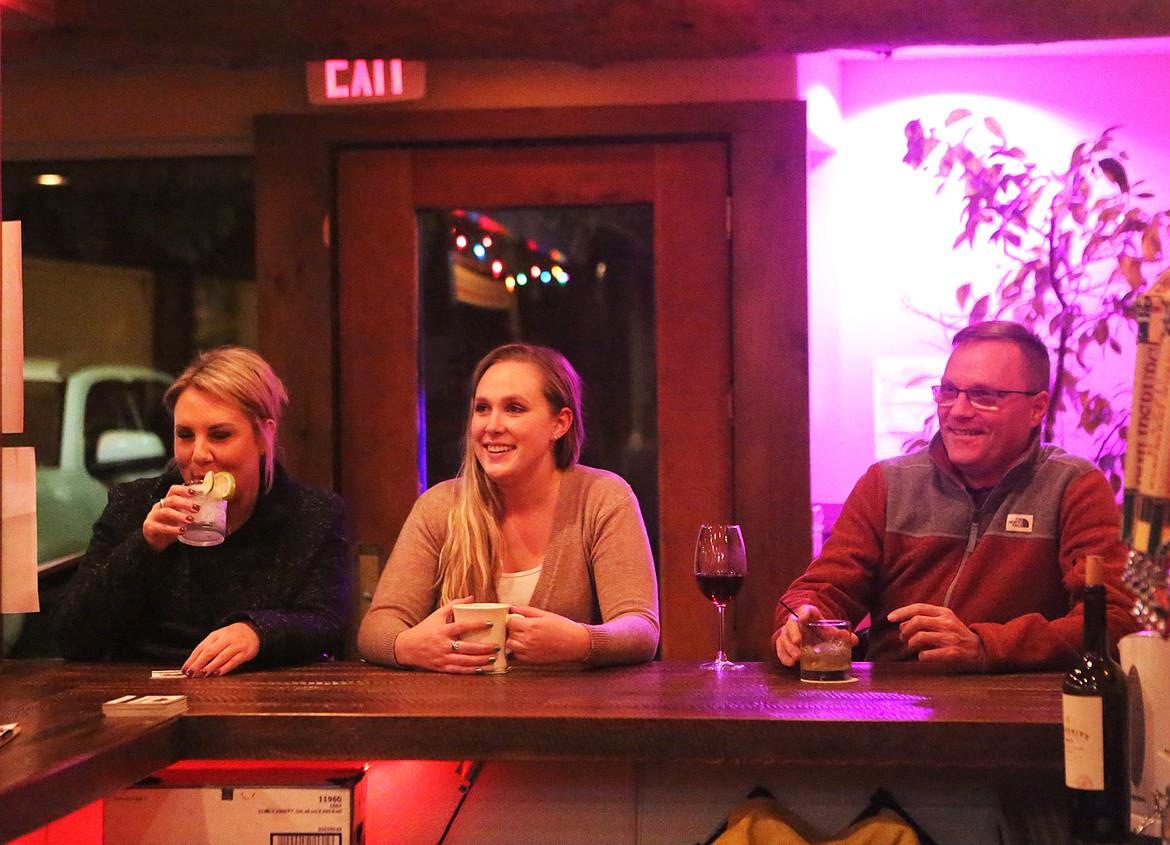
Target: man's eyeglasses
pixel 984 398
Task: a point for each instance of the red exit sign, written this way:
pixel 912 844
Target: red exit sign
pixel 343 82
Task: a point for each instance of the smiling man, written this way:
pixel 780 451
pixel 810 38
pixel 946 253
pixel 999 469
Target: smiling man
pixel 969 554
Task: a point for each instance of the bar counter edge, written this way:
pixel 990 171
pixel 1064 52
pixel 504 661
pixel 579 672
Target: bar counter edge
pixel 994 728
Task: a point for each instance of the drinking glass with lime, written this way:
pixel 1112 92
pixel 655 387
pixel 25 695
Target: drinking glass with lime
pixel 210 525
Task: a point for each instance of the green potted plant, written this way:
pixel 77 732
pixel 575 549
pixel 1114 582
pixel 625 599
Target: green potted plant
pixel 1078 249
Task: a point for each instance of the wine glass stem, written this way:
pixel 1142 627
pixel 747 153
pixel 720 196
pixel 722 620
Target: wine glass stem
pixel 721 658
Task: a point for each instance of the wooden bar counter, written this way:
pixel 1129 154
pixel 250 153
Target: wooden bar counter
pixel 999 728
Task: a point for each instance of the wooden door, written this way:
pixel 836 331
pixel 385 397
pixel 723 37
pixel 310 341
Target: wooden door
pixel 687 184
pixel 304 275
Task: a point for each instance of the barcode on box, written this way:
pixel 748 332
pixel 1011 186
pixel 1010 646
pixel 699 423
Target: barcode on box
pixel 305 839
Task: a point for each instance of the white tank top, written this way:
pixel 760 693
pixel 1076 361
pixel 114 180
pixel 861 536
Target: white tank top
pixel 516 588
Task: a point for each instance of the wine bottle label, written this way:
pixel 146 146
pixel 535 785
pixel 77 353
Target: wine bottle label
pixel 1084 744
pixel 1141 536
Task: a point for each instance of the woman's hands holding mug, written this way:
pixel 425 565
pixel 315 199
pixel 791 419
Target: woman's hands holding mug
pixel 539 636
pixel 436 644
pixel 533 636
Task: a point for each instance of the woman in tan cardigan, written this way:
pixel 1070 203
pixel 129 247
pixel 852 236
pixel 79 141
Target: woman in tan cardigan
pixel 524 524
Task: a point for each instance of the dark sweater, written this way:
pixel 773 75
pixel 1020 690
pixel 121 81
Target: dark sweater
pixel 286 571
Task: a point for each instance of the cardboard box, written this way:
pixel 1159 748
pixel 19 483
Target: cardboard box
pixel 240 807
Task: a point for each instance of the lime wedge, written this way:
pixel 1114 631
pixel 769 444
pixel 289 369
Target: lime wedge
pixel 223 485
pixel 217 485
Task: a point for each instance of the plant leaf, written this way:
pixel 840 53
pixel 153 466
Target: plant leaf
pixel 1112 168
pixel 915 144
pixel 957 115
pixel 1131 269
pixel 1151 244
pixel 979 311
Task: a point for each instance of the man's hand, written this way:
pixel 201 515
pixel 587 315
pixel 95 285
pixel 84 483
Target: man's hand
pixel 937 636
pixel 788 642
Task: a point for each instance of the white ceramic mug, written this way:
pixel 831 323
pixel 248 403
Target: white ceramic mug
pixel 497 634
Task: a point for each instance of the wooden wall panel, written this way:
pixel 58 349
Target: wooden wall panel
pixel 770 327
pixel 297 320
pixel 377 341
pixel 694 382
pixel 560 174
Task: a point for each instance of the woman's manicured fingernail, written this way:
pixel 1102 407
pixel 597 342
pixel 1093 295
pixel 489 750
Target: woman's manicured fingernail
pixel 489 624
pixel 479 670
pixel 195 506
pixel 214 673
pixel 189 518
pixel 491 660
pixel 497 648
pixel 182 529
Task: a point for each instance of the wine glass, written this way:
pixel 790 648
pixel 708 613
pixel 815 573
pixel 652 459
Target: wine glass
pixel 720 566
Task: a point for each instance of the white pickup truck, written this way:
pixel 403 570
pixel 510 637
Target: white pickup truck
pixel 92 428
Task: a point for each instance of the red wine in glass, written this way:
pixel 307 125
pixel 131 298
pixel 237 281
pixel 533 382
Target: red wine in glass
pixel 720 589
pixel 720 567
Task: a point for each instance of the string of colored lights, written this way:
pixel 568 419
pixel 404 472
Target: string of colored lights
pixel 490 248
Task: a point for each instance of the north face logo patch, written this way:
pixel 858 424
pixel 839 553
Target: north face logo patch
pixel 1020 523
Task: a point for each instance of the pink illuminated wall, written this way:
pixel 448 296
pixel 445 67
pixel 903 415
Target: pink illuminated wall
pixel 881 238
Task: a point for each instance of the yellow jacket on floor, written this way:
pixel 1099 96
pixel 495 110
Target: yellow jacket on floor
pixel 758 821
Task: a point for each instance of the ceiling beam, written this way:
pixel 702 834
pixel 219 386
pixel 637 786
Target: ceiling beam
pixel 252 33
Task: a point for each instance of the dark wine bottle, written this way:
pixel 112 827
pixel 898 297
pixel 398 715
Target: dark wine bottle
pixel 1096 741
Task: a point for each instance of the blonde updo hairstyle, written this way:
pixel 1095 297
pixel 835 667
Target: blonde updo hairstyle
pixel 239 375
pixel 470 557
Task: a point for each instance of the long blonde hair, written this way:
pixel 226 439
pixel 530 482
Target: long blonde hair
pixel 239 375
pixel 470 557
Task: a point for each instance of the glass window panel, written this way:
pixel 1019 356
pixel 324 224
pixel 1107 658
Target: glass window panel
pixel 596 306
pixel 126 264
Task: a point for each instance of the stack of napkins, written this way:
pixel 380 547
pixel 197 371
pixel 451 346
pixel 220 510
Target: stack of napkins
pixel 145 705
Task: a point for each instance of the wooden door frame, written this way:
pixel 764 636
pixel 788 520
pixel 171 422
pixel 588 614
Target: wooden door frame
pixel 380 189
pixel 298 331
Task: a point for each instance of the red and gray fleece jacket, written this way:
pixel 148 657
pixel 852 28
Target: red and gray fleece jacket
pixel 1012 569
